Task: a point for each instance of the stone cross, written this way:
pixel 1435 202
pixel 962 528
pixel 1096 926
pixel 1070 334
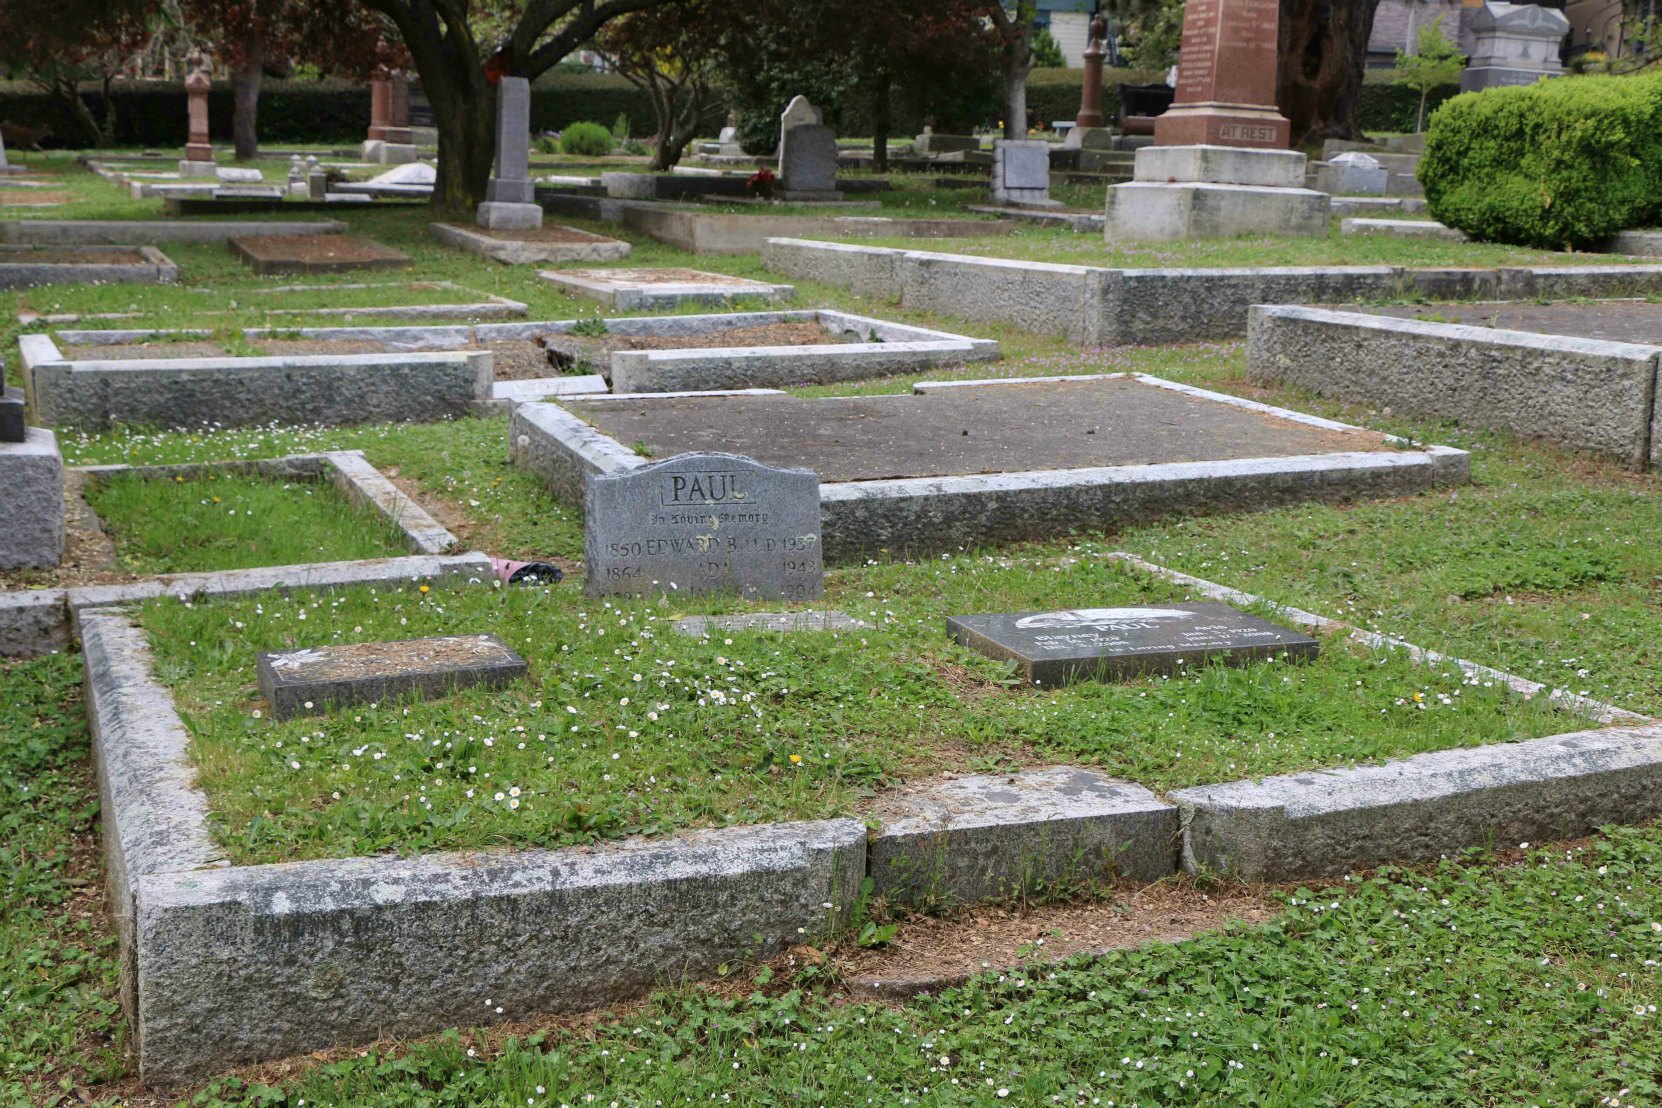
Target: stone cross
pixel 1226 78
pixel 510 198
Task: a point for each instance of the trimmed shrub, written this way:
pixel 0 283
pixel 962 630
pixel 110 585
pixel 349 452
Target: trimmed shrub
pixel 1383 106
pixel 588 139
pixel 1564 163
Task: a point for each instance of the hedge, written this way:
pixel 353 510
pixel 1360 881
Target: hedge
pixel 152 113
pixel 1567 162
pixel 1384 106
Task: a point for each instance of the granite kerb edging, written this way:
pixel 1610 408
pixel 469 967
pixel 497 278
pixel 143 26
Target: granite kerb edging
pixel 1096 306
pixel 1586 393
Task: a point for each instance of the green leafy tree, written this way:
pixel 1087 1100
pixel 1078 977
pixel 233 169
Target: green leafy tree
pixel 1435 61
pixel 1046 54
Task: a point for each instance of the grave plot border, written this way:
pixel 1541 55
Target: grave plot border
pixel 326 389
pixel 1092 306
pixel 934 514
pixel 224 964
pixel 24 272
pixel 529 252
pixel 490 307
pixel 741 233
pixel 1585 393
pixel 40 621
pixel 149 232
pixel 651 297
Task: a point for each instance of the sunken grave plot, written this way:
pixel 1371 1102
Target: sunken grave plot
pixel 23 265
pixel 964 464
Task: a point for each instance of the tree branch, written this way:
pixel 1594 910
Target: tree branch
pixel 573 34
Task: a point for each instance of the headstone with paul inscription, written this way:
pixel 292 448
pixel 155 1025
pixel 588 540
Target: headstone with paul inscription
pixel 1052 648
pixel 704 523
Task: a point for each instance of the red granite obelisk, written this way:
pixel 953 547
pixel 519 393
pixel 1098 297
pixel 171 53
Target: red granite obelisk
pixel 1226 71
pixel 198 146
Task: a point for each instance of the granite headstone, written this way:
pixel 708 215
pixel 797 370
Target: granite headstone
pixel 808 162
pixel 704 523
pixel 310 681
pixel 1051 648
pixel 509 203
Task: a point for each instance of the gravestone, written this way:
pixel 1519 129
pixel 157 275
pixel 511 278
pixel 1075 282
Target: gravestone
pixel 1021 173
pixel 12 425
pixel 399 148
pixel 510 199
pixel 31 493
pixel 1219 166
pixel 199 151
pixel 808 163
pixel 798 112
pixel 703 523
pixel 1515 44
pixel 310 681
pixel 1352 173
pixel 5 166
pixel 1051 648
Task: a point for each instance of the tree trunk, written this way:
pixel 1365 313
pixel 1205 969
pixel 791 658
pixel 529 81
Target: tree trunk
pixel 1018 63
pixel 245 85
pixel 881 121
pixel 1324 44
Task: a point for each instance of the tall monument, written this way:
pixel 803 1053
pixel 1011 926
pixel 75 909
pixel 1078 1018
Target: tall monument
pixel 1226 78
pixel 1220 166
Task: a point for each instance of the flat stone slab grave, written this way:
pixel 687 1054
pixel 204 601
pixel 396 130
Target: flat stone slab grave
pixel 1636 321
pixel 635 289
pixel 270 254
pixel 1052 648
pixel 970 463
pixel 704 523
pixel 553 243
pixel 311 681
pixel 1013 426
pixel 783 622
pixel 24 265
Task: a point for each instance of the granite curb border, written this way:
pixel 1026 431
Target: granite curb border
pixel 282 958
pixel 19 270
pixel 134 232
pixel 932 514
pixel 509 251
pixel 1585 393
pixel 1094 306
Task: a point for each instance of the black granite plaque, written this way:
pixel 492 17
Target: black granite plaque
pixel 12 428
pixel 1051 648
pixel 704 523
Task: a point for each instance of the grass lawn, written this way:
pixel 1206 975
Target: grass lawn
pixel 626 726
pixel 235 521
pixel 1523 978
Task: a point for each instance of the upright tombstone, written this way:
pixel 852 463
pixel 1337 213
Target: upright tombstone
pixel 807 154
pixel 510 199
pixel 1220 166
pixel 1021 173
pixel 380 101
pixel 1516 44
pixel 706 523
pixel 5 166
pixel 399 146
pixel 199 151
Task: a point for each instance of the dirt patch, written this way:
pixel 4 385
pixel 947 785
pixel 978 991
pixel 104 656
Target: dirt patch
pixel 554 233
pixel 571 353
pixel 32 198
pixel 1005 428
pixel 930 954
pixel 315 253
pixel 152 349
pixel 291 348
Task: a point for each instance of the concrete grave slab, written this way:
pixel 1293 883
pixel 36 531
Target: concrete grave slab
pixel 1401 228
pixel 1112 644
pixel 699 523
pixel 1005 836
pixel 641 289
pixel 313 680
pixel 1041 460
pixel 810 620
pixel 270 254
pixel 532 246
pixel 129 232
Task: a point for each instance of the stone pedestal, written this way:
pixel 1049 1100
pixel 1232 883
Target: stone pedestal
pixel 1226 78
pixel 31 508
pixel 199 151
pixel 1516 44
pixel 1021 173
pixel 510 198
pixel 1090 88
pixel 1181 192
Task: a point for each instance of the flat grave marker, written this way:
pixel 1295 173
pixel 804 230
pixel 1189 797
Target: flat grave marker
pixel 817 619
pixel 669 287
pixel 704 523
pixel 268 254
pixel 1052 648
pixel 312 680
